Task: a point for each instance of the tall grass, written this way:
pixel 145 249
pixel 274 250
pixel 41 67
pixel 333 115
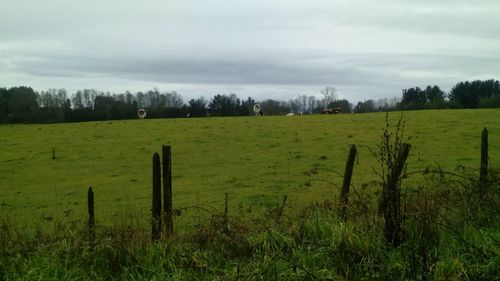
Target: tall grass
pixel 450 232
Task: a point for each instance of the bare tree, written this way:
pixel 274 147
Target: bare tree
pixel 311 103
pixel 329 95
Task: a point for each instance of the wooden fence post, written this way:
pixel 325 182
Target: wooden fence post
pixel 167 189
pixel 225 203
pixel 483 175
pixel 344 194
pixel 90 205
pixel 156 208
pixel 280 209
pixel 226 218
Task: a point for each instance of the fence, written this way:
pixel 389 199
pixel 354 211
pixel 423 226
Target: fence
pixel 162 173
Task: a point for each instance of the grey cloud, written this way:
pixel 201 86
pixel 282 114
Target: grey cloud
pixel 363 48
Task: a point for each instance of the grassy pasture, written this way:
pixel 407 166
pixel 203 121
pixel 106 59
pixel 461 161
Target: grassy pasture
pixel 255 159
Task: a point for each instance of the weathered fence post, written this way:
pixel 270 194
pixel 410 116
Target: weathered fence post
pixel 280 209
pixel 226 218
pixel 344 194
pixel 90 205
pixel 225 203
pixel 391 200
pixel 484 156
pixel 167 189
pixel 156 208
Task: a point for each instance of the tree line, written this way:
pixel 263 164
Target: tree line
pixel 475 94
pixel 25 105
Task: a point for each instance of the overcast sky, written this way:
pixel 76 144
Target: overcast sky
pixel 366 49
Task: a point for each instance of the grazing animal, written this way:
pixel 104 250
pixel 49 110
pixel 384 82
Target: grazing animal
pixel 257 110
pixel 290 114
pixel 336 110
pixel 141 113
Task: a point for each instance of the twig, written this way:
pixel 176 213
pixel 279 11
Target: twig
pixel 329 182
pixel 206 208
pixel 427 171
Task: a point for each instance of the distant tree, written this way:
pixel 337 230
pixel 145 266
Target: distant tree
pixel 67 105
pixel 246 107
pixel 61 98
pixel 416 98
pixel 107 107
pixel 465 94
pixel 492 102
pixel 434 94
pixel 329 95
pixel 223 105
pixel 484 89
pixel 77 100
pixel 141 100
pixel 53 98
pixel 299 104
pixel 171 105
pixel 382 104
pixel 366 106
pixel 129 98
pixel 153 102
pixel 302 102
pixel 54 107
pixel 488 91
pixel 134 108
pixel 103 107
pixel 312 104
pixel 197 107
pixel 4 105
pixel 22 104
pixel 18 104
pixel 88 98
pixel 413 98
pixel 46 99
pixel 293 105
pixel 470 94
pixel 275 107
pixel 172 100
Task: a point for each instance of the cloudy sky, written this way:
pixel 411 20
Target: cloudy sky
pixel 366 49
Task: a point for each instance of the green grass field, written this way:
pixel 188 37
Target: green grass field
pixel 255 159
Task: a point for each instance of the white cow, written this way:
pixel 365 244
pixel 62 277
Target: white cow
pixel 257 110
pixel 141 113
